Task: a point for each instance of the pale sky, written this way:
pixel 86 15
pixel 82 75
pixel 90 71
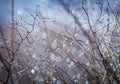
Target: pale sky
pixel 5 5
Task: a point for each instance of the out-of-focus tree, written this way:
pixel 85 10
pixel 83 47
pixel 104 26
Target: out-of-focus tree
pixel 88 53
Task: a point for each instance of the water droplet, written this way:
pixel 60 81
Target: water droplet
pixel 54 79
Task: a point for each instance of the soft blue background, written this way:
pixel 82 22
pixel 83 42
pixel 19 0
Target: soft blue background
pixel 5 5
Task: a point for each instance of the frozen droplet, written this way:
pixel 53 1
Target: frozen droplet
pixel 73 50
pixel 111 64
pixel 73 77
pixel 32 71
pixel 76 35
pixel 55 40
pixel 34 56
pixel 54 45
pixel 87 64
pixel 51 74
pixel 71 43
pixel 64 45
pixel 25 50
pixel 71 63
pixel 48 72
pixel 52 57
pixel 75 81
pixel 108 55
pixel 44 35
pixel 41 79
pixel 58 82
pixel 73 11
pixel 58 59
pixel 86 42
pixel 44 42
pixel 78 76
pixel 107 38
pixel 68 60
